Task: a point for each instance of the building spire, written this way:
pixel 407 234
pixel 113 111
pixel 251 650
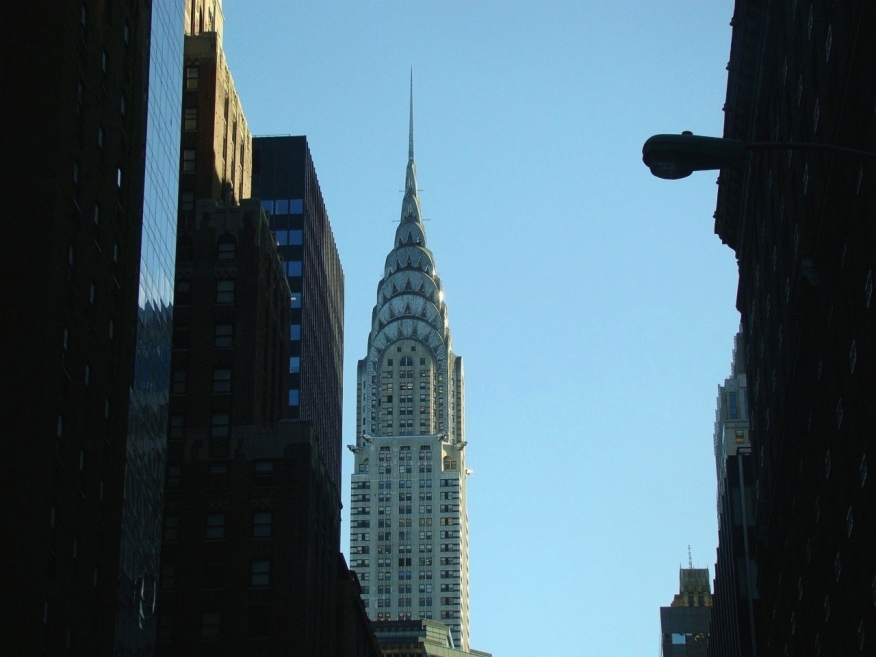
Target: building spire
pixel 411 128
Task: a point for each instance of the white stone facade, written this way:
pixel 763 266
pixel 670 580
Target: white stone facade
pixel 409 526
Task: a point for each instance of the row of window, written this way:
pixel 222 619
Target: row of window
pixel 215 526
pixel 283 206
pixel 402 522
pixel 406 361
pixel 259 624
pixel 260 574
pixel 225 289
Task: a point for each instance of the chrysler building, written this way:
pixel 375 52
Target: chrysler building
pixel 409 526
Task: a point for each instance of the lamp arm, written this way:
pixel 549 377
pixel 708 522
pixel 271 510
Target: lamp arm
pixel 799 145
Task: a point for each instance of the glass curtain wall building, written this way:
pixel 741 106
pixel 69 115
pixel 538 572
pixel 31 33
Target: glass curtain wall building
pixel 147 420
pixel 409 526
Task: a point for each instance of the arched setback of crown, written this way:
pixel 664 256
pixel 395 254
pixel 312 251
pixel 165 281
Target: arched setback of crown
pixel 410 256
pixel 409 281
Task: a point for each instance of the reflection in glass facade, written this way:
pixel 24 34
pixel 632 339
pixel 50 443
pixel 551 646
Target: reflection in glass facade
pixel 146 440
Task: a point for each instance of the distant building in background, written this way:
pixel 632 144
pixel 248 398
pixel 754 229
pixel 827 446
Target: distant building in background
pixel 285 180
pixel 801 224
pixel 731 631
pixel 409 525
pixel 407 638
pixel 92 96
pixel 684 624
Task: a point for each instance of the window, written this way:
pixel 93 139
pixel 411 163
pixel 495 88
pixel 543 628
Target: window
pixel 264 470
pixel 178 387
pixel 171 528
pixel 293 268
pixel 295 332
pixel 168 577
pixel 261 524
pixel 293 398
pixel 191 78
pixel 261 573
pixel 220 426
pixel 224 291
pixel 177 426
pixel 210 626
pixel 221 380
pixel 226 248
pixel 190 119
pixel 734 408
pixel 215 527
pixel 172 476
pixel 290 237
pixel 183 293
pixel 188 160
pixel 223 337
pixel 294 364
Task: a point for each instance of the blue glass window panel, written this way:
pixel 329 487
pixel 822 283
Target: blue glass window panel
pixel 281 206
pixel 268 206
pixel 295 332
pixel 293 398
pixel 296 206
pixel 734 410
pixel 294 364
pixel 293 268
pixel 295 300
pixel 296 237
pixel 282 237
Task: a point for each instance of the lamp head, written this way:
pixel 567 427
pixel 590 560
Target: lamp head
pixel 676 156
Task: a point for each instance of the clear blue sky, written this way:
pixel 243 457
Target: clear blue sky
pixel 592 302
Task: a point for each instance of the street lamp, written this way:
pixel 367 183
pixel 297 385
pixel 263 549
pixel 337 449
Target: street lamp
pixel 677 156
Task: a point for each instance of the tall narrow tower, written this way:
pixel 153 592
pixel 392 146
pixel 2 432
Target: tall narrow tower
pixel 409 527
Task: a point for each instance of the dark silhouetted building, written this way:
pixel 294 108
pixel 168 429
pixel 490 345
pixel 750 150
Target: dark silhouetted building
pixel 684 624
pixel 731 630
pixel 285 180
pixel 802 225
pixel 355 634
pixel 92 91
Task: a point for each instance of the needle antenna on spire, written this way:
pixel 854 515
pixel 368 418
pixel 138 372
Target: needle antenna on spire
pixel 411 127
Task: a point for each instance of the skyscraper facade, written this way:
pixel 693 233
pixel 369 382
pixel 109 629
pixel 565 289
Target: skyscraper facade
pixel 94 102
pixel 409 526
pixel 684 624
pixel 801 224
pixel 284 178
pixel 148 406
pixel 731 629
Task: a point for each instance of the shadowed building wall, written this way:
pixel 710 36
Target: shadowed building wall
pixel 731 629
pixel 801 224
pixel 87 289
